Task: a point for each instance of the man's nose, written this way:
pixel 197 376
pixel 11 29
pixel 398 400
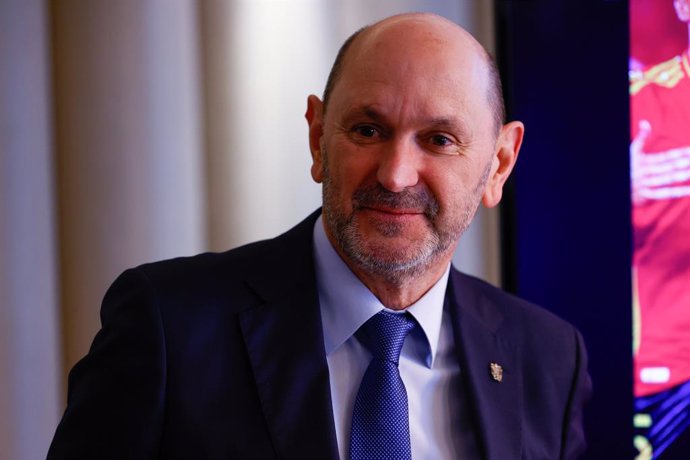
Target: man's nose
pixel 398 168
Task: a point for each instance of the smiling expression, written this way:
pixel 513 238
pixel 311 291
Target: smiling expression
pixel 405 148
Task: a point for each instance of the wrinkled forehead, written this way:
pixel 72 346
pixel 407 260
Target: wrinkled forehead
pixel 436 58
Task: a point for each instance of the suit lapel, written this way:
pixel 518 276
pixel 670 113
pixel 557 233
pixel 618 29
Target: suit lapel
pixel 497 405
pixel 284 341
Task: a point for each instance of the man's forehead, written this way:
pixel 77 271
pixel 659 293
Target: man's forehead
pixel 434 76
pixel 434 46
pixel 423 56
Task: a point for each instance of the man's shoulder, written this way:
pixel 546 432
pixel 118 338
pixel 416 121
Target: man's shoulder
pixel 273 251
pixel 504 310
pixel 270 258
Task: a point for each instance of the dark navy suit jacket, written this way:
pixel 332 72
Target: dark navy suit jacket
pixel 222 356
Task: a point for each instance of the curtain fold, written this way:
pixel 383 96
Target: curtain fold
pixel 128 146
pixel 29 321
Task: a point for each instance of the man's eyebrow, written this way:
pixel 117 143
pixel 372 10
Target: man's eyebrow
pixel 444 122
pixel 450 123
pixel 454 124
pixel 366 110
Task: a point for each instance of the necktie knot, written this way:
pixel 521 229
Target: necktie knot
pixel 385 334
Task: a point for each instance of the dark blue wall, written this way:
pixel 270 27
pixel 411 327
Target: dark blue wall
pixel 566 220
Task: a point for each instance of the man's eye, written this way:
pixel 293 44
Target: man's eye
pixel 440 140
pixel 365 131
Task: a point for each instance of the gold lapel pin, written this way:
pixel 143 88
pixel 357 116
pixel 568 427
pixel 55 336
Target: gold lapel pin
pixel 496 372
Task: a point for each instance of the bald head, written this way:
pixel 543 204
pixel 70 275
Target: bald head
pixel 435 34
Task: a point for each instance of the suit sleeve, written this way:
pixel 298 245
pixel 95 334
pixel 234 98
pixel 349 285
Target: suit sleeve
pixel 116 392
pixel 574 443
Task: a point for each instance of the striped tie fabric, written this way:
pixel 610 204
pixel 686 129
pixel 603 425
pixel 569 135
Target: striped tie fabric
pixel 380 421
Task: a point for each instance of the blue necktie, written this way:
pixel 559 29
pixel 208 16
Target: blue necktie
pixel 380 421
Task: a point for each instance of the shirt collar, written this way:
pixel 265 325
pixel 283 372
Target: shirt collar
pixel 346 303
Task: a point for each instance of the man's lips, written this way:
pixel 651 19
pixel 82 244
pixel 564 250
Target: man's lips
pixel 393 212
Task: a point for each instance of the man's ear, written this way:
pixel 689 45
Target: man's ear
pixel 505 154
pixel 314 118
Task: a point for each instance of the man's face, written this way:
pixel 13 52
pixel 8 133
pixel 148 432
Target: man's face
pixel 682 9
pixel 406 149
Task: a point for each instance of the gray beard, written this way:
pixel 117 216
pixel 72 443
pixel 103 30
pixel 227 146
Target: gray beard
pixel 401 267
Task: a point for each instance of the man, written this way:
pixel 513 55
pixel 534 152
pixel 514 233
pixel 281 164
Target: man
pixel 275 349
pixel 660 154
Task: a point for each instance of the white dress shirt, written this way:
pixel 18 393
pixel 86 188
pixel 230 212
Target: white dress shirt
pixel 439 425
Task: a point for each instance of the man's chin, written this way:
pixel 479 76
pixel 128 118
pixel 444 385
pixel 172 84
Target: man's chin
pixel 392 251
pixel 394 235
pixel 392 258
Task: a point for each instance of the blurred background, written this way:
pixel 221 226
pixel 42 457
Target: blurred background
pixel 138 130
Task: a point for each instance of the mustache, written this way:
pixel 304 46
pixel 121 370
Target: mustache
pixel 375 194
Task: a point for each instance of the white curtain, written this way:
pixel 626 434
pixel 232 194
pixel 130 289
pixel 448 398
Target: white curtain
pixel 29 317
pixel 136 130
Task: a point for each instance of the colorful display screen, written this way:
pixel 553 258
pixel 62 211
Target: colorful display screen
pixel 660 185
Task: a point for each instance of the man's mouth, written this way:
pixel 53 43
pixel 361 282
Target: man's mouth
pixel 394 211
pixel 382 202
